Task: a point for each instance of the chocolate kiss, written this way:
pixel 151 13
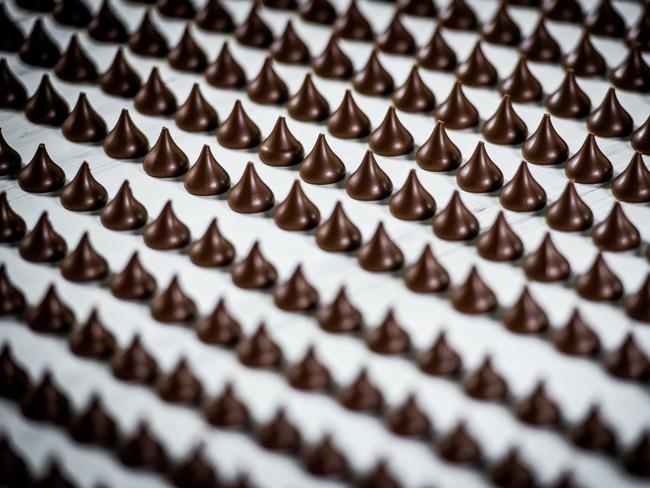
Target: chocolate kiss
pixel 296 294
pixel 224 71
pixel 146 40
pixel 289 47
pixel 485 383
pixel 540 46
pixel 254 271
pixel 426 275
pixel 281 148
pixel 512 471
pixel 12 91
pixel 585 60
pixel 324 459
pixel 500 242
pixel 84 264
pixel 93 425
pixel 348 121
pixel 380 253
pixel 206 177
pixel 92 340
pixel 142 450
pixel 391 138
pixel 154 98
pixel 525 316
pixel 74 13
pixel 74 65
pixel 134 282
pixel 436 54
pixel 253 31
pixel 412 201
pixel 124 211
pixel 125 140
pixel 396 39
pixel 309 373
pixel 440 359
pixel 563 10
pixel 610 119
pixel 640 33
pixel 176 9
pixel 297 211
pixel 12 225
pixel 45 402
pixel 259 350
pixel 84 193
pixel 51 315
pixel 212 249
pixel 120 79
pixel 594 433
pixel 361 395
pixel 279 434
pixel 12 37
pixel 455 222
pixel 219 327
pixel 479 174
pixel 308 105
pixel 322 166
pixel 569 100
pixel 589 165
pixel 546 264
pixel 196 114
pixel 373 79
pixel 165 159
pixel 41 174
pixel 333 62
pixel 39 49
pixel 12 300
pixel 46 106
pixel 636 305
pixel 538 409
pixel 408 419
pixel 633 73
pixel 605 20
pixel 458 15
pixel 640 139
pixel 477 70
pixel 389 337
pixel 635 459
pixel 599 283
pixel 633 184
pixel 456 111
pixel 318 11
pixel 338 233
pixel 166 231
pixel 473 296
pixel 501 29
pixel 83 124
pixel 505 126
pixel 522 193
pixel 14 381
pixel 438 153
pixel 414 95
pixel 380 475
pixel 180 385
pixel 353 25
pixel 238 131
pixel 134 363
pixel 576 338
pixel 187 55
pixel 521 85
pixel 629 361
pixel 545 145
pixel 106 26
pixel 569 213
pixel 369 182
pixel 214 17
pixel 42 244
pixel 459 447
pixel 339 316
pixel 250 194
pixel 417 8
pixel 616 232
pixel 227 410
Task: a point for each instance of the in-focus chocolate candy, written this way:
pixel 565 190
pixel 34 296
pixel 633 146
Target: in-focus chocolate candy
pixel 83 123
pixel 187 55
pixel 616 232
pixel 479 174
pixel 426 275
pixel 361 394
pixel 477 70
pixel 348 121
pixel 212 249
pixel 369 182
pixel 142 450
pixel 289 47
pixel 120 79
pixel 124 211
pixel 154 98
pixel 635 458
pixel 125 140
pixel 525 316
pixel 196 114
pixel 281 148
pixel 576 338
pixel 166 231
pixel 297 212
pixel 14 381
pixel 500 242
pixel 12 225
pixel 505 126
pixel 628 361
pixel 459 447
pixel 599 282
pixel 308 105
pixel 440 359
pixel 414 95
pixel 74 65
pixel 633 183
pixel 254 32
pixel 339 315
pixel 180 385
pixel 173 305
pixel 333 62
pixel 206 177
pixel 147 40
pixel 473 296
pixel 438 153
pixel 391 138
pixel 279 434
pixel 259 350
pixel 545 145
pixel 238 131
pixel 92 339
pixel 250 194
pixel 373 79
pixel 38 48
pixel 511 470
pixel 408 419
pixel 396 39
pixel 84 193
pixel 12 37
pixel 585 60
pixel 94 425
pixel 380 253
pixel 165 159
pixel 106 26
pixel 456 111
pixel 501 29
pixel 637 304
pixel 521 85
pixel 318 12
pixel 353 24
pixel 42 244
pixel 605 20
pixel 522 193
pixel 388 337
pixel 176 9
pixel 254 271
pixel 569 100
pixel 455 222
pixel 84 263
pixel 324 458
pixel 193 470
pixel 45 402
pixel 12 92
pixel 640 139
pixel 134 282
pixel 594 433
pixel 458 15
pixel 485 383
pixel 46 106
pixel 569 213
pixel 41 174
pixel 12 300
pixel 338 233
pixel 309 373
pixel 610 119
pixel 134 363
pixel 220 327
pixel 322 166
pixel 296 294
pixel 436 54
pixel 633 73
pixel 412 201
pixel 538 408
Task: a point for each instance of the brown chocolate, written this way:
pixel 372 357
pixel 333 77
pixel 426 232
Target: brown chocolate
pixel 576 338
pixel 455 222
pixel 254 32
pixel 14 381
pixel 594 433
pixel 380 253
pixel 380 475
pixel 106 26
pixel 640 33
pixel 585 60
pixel 124 211
pixel 120 79
pixel 154 98
pixel 93 425
pixel 438 153
pixel 538 408
pixel 225 71
pixel 456 111
pixel 473 296
pixel 479 174
pixel 505 126
pixel 388 337
pixel 10 160
pixel 512 471
pixel 640 139
pixel 206 177
pixel 166 231
pixel 353 24
pixel 12 37
pixel 545 145
pixel 212 250
pixel 563 11
pixel 459 447
pixel 525 316
pixel 165 159
pixel 369 182
pixel 176 9
pixel 589 165
pixel 628 361
pixel 569 213
pixel 74 65
pixel 339 315
pixel 142 450
pixel 616 232
pixel 610 119
pixel 501 29
pixel 84 193
pixel 289 47
pixel 134 363
pixel 458 15
pixel 436 54
pixel 333 62
pixel 296 294
pixel 92 339
pixel 196 114
pixel 297 212
pixel 633 183
pixel 254 271
pixel 41 174
pixel 250 194
pixel 521 85
pixel 279 434
pixel 307 104
pixel 522 193
pixel 426 275
pixel 46 106
pixel 322 166
pixel 396 39
pixel 259 350
pixel 417 8
pixel 361 395
pixel 238 131
pixel 173 305
pixel 134 282
pixel 477 70
pixel 267 87
pixel 318 11
pixel 598 282
pixel 440 359
pixel 348 121
pixel 324 458
pixel 412 201
pixel 194 470
pixel 125 140
pixel 338 233
pixel 45 402
pixel 635 458
pixel 569 100
pixel 409 420
pixel 180 385
pixel 42 244
pixel 637 304
pixel 281 148
pixel 500 242
pixel 83 123
pixel 147 40
pixel 84 264
pixel 12 225
pixel 214 17
pixel 220 327
pixel 12 300
pixel 309 373
pixel 38 48
pixel 414 95
pixel 485 383
pixel 633 73
pixel 391 138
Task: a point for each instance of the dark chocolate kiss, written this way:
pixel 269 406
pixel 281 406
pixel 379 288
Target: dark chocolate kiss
pixel 267 87
pixel 206 177
pixel 505 126
pixel 224 71
pixel 12 300
pixel 633 184
pixel 281 148
pixel 220 327
pixel 500 242
pixel 12 225
pixel 259 350
pixel 440 359
pixel 477 70
pixel 438 153
pixel 196 114
pixel 250 194
pixel 522 193
pixel 84 193
pixel 396 39
pixel 146 40
pixel 473 296
pixel 134 282
pixel 84 264
pixel 39 49
pixel 214 17
pixel 436 54
pixel 166 231
pixel 546 264
pixel 254 271
pixel 333 62
pixel 545 145
pixel 569 100
pixel 599 282
pixel 380 253
pixel 525 316
pixel 388 337
pixel 297 212
pixel 308 105
pixel 12 92
pixel 238 131
pixel 134 363
pixel 325 459
pixel 120 79
pixel 373 79
pixel 348 121
pixel 414 95
pixel 339 316
pixel 353 24
pixel 458 15
pixel 253 31
pixel 322 166
pixel 485 383
pixel 361 394
pixel 83 124
pixel 479 174
pixel 576 338
pixel 569 213
pixel 412 201
pixel 296 294
pixel 610 119
pixel 212 249
pixel 456 111
pixel 51 315
pixel 124 211
pixel 154 98
pixel 521 85
pixel 125 140
pixel 585 60
pixel 426 275
pixel 309 373
pixel 338 233
pixel 46 106
pixel 616 232
pixel 74 65
pixel 455 222
pixel 92 339
pixel 165 159
pixel 41 174
pixel 42 244
pixel 391 138
pixel 172 305
pixel 633 73
pixel 369 182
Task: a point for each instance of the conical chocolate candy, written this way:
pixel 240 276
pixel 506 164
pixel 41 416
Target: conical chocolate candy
pixel 348 121
pixel 187 55
pixel 640 139
pixel 628 361
pixel 219 328
pixel 281 148
pixel 361 394
pixel 576 337
pixel 206 177
pixel 120 79
pixel 389 337
pixel 322 166
pixel 569 213
pixel 512 471
pixel 165 159
pixel 227 410
pixel 297 212
pixel 12 300
pixel 635 459
pixel 605 20
pixel 438 153
pixel 324 459
pixel 54 476
pixel 124 211
pixel 172 305
pixel 309 373
pixel 308 105
pixel 154 98
pixel 538 409
pixel 485 383
pixel 39 49
pixel 417 8
pixel 396 39
pixel 12 37
pixel 238 131
pixel 522 193
pixel 477 70
pixel 593 433
pixel 259 350
pixel 224 71
pixel 180 385
pixel 92 340
pixel 338 233
pixel 83 124
pixel 458 15
pixel 525 316
pixel 505 126
pixel 74 13
pixel 610 119
pixel 391 138
pixel 339 315
pixel 599 283
pixel 125 140
pixel 501 29
pixel 455 222
pixel 42 244
pixel 456 111
pixel 545 145
pixel 563 10
pixel 633 184
pixel 426 275
pixel 134 282
pixel 436 54
pixel 500 242
pixel 279 434
pixel 296 294
pixel 373 79
pixel 353 24
pixel 106 26
pixel 369 182
pixel 479 174
pixel 637 304
pixel 176 9
pixel 146 40
pixel 196 114
pixel 93 425
pixel 250 194
pixel 459 447
pixel 45 402
pixel 12 91
pixel 409 420
pixel 41 174
pixel 254 271
pixel 74 65
pixel 166 231
pixel 14 381
pixel 214 17
pixel 318 11
pixel 473 296
pixel 84 193
pixel 412 201
pixel 332 62
pixel 142 450
pixel 380 475
pixel 633 73
pixel 12 225
pixel 585 60
pixel 380 253
pixel 134 364
pixel 616 232
pixel 521 85
pixel 440 359
pixel 84 264
pixel 10 160
pixel 414 95
pixel 253 31
pixel 46 106
pixel 569 100
pixel 289 47
pixel 212 249
pixel 640 33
